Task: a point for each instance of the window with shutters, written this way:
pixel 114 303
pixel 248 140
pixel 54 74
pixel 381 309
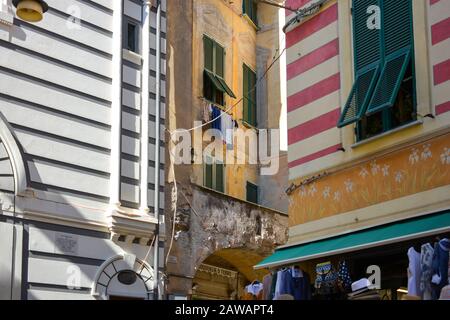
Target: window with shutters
pixel 214 85
pixel 249 101
pixel 383 94
pixel 214 174
pixel 249 8
pixel 252 193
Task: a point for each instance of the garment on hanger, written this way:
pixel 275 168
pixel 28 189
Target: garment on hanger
pixel 414 273
pixel 255 288
pixel 215 116
pixel 227 128
pixel 277 292
pixel 344 279
pixel 284 282
pixel 440 267
pixel 296 272
pixel 273 285
pixel 301 285
pixel 267 285
pixel 426 266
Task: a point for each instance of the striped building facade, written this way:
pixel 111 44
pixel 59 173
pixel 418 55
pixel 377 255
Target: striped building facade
pixel 323 158
pixel 78 118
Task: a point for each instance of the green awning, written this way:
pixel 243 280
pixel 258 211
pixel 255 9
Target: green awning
pixel 219 83
pixel 382 235
pixel 226 87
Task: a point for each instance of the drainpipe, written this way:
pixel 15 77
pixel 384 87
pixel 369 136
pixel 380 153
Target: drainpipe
pixel 145 106
pixel 116 108
pixel 157 134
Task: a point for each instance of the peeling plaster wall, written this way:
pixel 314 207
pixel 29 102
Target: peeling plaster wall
pixel 215 222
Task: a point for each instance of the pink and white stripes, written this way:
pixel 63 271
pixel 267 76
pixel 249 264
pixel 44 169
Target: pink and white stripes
pixel 313 86
pixel 439 19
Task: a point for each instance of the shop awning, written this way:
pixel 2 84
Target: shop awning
pixel 381 235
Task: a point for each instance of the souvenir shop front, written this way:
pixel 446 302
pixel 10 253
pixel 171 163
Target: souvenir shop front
pixel 406 260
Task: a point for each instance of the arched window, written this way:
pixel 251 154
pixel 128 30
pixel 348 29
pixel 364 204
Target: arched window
pixel 119 278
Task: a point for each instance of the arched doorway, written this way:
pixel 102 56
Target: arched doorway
pixel 225 274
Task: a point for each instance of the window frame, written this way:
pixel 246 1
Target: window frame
pixel 214 163
pixel 252 12
pixel 256 189
pixel 386 114
pixel 247 102
pixel 211 78
pixel 127 21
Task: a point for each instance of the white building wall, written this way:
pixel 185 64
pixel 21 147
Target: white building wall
pixel 56 95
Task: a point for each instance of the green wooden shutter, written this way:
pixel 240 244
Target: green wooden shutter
pixel 398 51
pixel 252 193
pixel 209 53
pixel 249 79
pixel 219 177
pixel 246 6
pixel 246 90
pixel 220 52
pixel 208 173
pixel 254 15
pixel 253 98
pixel 368 53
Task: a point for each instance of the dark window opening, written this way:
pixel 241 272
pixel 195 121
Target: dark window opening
pixel 401 113
pixel 211 93
pixel 131 33
pixel 250 8
pixel 252 193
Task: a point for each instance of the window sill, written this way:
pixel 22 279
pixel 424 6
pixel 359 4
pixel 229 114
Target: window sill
pixel 248 125
pixel 384 134
pixel 250 21
pixel 132 57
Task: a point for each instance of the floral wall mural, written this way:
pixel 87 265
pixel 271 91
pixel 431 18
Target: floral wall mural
pixel 419 168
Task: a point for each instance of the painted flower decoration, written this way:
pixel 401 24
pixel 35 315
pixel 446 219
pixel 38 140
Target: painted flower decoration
pixel 426 153
pixel 414 156
pixel 326 192
pixel 445 156
pixel 374 167
pixel 385 170
pixel 363 173
pixel 303 191
pixel 337 196
pixel 399 176
pixel 313 190
pixel 349 185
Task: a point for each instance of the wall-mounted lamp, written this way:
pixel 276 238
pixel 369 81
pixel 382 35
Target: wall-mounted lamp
pixel 30 10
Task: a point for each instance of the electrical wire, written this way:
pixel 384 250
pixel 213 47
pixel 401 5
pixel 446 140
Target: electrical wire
pixel 172 156
pixel 172 133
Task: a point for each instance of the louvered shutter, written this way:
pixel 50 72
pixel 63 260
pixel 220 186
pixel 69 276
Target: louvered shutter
pixel 219 177
pixel 208 180
pixel 208 51
pixel 398 51
pixel 368 54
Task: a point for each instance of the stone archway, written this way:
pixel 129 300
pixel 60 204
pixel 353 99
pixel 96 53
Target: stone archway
pixel 211 224
pixel 225 273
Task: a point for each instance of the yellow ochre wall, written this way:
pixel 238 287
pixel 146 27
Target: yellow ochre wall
pixel 223 21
